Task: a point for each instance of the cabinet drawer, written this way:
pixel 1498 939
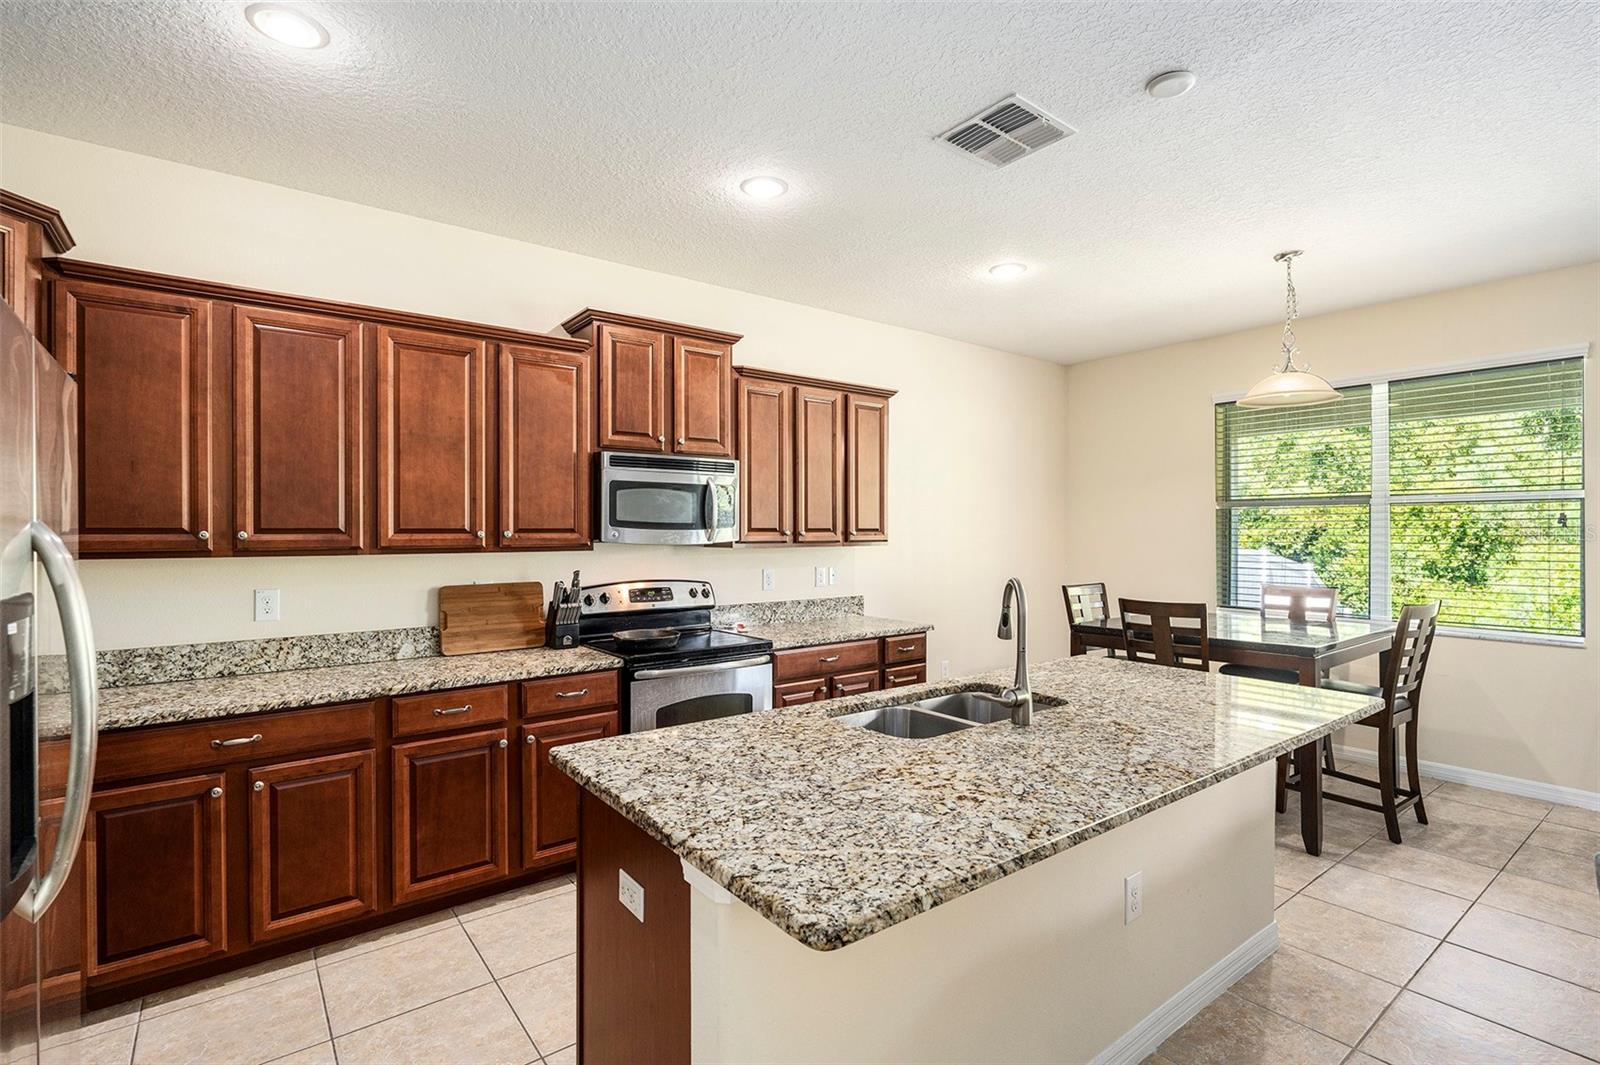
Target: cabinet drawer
pixel 855 683
pixel 562 695
pixel 900 676
pixel 255 738
pixel 443 711
pixel 826 660
pixel 801 691
pixel 912 648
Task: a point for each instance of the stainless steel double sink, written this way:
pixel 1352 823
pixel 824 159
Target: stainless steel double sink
pixel 928 718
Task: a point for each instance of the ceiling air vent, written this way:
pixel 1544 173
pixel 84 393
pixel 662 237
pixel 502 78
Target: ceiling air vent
pixel 1006 132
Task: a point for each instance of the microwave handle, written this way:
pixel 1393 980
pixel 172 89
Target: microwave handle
pixel 708 510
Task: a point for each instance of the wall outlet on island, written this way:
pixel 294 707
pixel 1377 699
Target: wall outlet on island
pixel 1133 898
pixel 769 579
pixel 267 604
pixel 631 894
pixel 822 576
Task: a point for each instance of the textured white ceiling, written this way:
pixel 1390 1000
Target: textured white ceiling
pixel 1407 147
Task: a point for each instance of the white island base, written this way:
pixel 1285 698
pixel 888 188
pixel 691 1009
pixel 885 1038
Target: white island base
pixel 1037 966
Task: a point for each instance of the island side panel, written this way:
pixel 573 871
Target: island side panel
pixel 633 976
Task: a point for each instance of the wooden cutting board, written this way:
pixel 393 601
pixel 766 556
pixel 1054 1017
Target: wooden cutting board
pixel 490 617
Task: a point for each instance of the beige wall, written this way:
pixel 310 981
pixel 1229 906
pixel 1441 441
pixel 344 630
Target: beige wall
pixel 963 415
pixel 1142 497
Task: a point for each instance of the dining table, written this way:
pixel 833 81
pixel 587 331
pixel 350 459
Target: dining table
pixel 1308 649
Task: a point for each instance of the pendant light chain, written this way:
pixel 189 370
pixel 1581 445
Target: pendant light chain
pixel 1291 311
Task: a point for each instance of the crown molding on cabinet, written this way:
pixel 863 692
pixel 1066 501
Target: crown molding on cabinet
pixel 47 218
pixel 813 382
pixel 589 315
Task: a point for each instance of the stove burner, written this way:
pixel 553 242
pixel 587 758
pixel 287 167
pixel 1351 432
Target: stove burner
pixel 647 639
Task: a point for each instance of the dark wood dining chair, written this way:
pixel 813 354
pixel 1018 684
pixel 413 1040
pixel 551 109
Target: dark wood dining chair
pixel 1291 605
pixel 1404 666
pixel 1168 634
pixel 1086 604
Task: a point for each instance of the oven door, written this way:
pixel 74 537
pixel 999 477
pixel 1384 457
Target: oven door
pixel 680 694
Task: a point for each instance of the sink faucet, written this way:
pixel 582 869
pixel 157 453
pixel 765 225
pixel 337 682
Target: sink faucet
pixel 1019 697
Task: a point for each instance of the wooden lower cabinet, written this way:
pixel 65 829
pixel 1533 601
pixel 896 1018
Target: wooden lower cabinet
pixel 313 844
pixel 60 957
pixel 900 676
pixel 450 803
pixel 157 864
pixel 799 692
pixel 853 683
pixel 549 796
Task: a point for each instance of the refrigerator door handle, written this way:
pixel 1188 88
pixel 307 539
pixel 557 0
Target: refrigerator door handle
pixel 85 695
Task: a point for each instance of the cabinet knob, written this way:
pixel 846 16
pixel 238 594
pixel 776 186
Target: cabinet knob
pixel 680 441
pixel 216 793
pixel 243 535
pixel 532 738
pixel 479 534
pixel 507 533
pixel 505 743
pixel 259 786
pixel 661 439
pixel 203 534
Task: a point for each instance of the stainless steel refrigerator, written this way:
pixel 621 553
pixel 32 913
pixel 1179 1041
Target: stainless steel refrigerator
pixel 47 670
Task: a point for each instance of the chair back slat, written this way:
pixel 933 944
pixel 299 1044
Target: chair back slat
pixel 1299 603
pixel 1408 658
pixel 1086 604
pixel 1168 634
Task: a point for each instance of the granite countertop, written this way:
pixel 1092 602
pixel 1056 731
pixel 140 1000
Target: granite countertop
pixel 834 832
pixel 838 629
pixel 195 700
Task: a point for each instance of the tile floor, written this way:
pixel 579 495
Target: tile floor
pixel 1477 940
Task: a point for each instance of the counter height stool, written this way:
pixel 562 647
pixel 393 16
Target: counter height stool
pixel 1087 603
pixel 1150 635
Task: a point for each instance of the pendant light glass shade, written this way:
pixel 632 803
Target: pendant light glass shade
pixel 1289 385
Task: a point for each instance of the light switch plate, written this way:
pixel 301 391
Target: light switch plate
pixel 631 894
pixel 267 605
pixel 833 575
pixel 769 579
pixel 1133 898
pixel 822 576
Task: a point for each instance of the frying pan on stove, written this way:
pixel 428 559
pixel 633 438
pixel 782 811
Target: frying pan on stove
pixel 647 639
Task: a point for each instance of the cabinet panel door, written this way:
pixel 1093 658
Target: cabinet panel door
pixel 819 465
pixel 60 959
pixel 449 813
pixel 853 684
pixel 867 457
pixel 550 797
pixel 313 844
pixel 430 440
pixel 544 447
pixel 800 691
pixel 632 365
pixel 157 889
pixel 296 431
pixel 766 462
pixel 144 406
pixel 702 397
pixel 17 236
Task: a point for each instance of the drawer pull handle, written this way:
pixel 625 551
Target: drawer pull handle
pixel 573 695
pixel 237 741
pixel 450 711
pixel 830 658
pixel 907 647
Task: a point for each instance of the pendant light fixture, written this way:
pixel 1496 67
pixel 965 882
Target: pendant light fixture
pixel 1289 385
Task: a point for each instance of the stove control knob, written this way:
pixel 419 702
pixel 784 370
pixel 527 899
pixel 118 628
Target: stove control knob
pixel 604 598
pixel 694 593
pixel 588 600
pixel 705 590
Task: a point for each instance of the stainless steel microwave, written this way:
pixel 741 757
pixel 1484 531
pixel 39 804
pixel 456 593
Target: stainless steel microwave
pixel 667 499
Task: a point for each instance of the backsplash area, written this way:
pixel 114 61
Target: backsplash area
pixel 787 610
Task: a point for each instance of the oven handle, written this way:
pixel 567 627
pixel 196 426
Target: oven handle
pixel 715 667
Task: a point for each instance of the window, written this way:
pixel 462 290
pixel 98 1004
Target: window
pixel 1465 487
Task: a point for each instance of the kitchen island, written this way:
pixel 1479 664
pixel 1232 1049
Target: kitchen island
pixel 786 887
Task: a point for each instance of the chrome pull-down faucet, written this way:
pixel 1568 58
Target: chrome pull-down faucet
pixel 1019 697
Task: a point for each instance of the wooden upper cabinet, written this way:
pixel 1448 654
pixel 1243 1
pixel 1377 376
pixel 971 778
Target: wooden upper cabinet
pixel 632 367
pixel 544 447
pixel 144 364
pixel 431 440
pixel 766 461
pixel 296 431
pixel 866 472
pixel 28 230
pixel 819 465
pixel 702 397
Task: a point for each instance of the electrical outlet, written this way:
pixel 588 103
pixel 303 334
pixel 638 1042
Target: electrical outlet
pixel 822 576
pixel 267 604
pixel 1133 898
pixel 944 669
pixel 833 575
pixel 769 579
pixel 631 894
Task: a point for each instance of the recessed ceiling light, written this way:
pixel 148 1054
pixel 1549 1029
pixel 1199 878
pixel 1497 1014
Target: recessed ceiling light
pixel 1007 271
pixel 1172 83
pixel 763 188
pixel 286 25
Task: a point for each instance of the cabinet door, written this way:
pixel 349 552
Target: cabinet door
pixel 449 813
pixel 60 959
pixel 853 683
pixel 632 365
pixel 544 447
pixel 20 246
pixel 313 844
pixel 143 360
pixel 550 797
pixel 766 461
pixel 800 691
pixel 157 890
pixel 296 431
pixel 430 440
pixel 867 461
pixel 819 465
pixel 702 397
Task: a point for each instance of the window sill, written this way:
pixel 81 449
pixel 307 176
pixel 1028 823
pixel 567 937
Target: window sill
pixel 1497 636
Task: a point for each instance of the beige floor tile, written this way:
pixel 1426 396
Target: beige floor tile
pixel 1374 947
pixel 1339 836
pixel 525 936
pixel 1455 811
pixel 1547 948
pixel 321 1054
pixel 113 1047
pixel 1420 1031
pixel 1358 1058
pixel 1417 866
pixel 1495 800
pixel 414 972
pixel 386 936
pixel 1233 1031
pixel 1573 817
pixel 60 1030
pixel 1293 868
pixel 1529 1002
pixel 1433 913
pixel 1577 910
pixel 229 983
pixel 265 1022
pixel 1490 846
pixel 569 1056
pixel 475 1026
pixel 1280 896
pixel 1566 839
pixel 1572 871
pixel 546 999
pixel 510 900
pixel 1324 996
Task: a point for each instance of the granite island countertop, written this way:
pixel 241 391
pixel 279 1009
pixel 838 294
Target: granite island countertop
pixel 833 832
pixel 839 629
pixel 174 702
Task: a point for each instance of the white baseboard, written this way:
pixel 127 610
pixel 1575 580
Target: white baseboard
pixel 1478 778
pixel 1140 1041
